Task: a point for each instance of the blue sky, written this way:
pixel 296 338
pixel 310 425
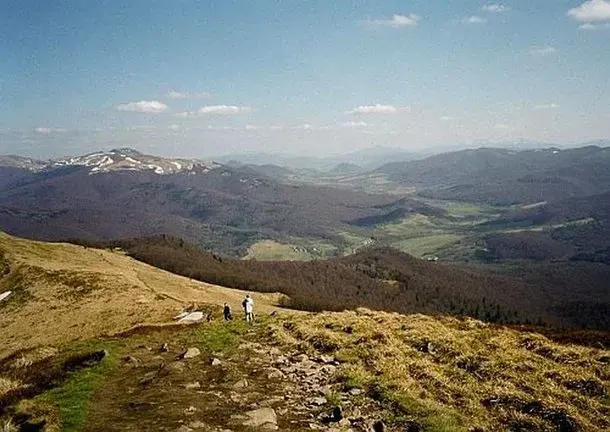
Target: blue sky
pixel 201 78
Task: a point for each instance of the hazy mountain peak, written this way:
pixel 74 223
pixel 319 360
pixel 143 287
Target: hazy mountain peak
pixel 126 159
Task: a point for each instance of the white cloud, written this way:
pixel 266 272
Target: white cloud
pixel 49 131
pixel 174 127
pixel 224 109
pixel 591 11
pixel 447 118
pixel 378 109
pixel 548 106
pixel 216 110
pixel 174 94
pixel 354 124
pixel 496 8
pixel 397 21
pixel 146 107
pixel 501 126
pixel 474 20
pixel 543 50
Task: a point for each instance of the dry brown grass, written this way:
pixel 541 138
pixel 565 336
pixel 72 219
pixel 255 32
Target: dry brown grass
pixel 64 292
pixel 454 375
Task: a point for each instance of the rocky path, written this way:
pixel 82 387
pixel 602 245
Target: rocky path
pixel 163 386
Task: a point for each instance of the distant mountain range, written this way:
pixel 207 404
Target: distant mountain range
pixel 366 159
pixel 504 177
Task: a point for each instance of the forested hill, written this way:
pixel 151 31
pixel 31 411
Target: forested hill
pixel 383 279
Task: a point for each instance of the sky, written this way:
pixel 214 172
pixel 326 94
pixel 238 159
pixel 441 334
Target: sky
pixel 204 78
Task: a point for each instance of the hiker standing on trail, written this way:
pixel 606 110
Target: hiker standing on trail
pixel 248 305
pixel 227 312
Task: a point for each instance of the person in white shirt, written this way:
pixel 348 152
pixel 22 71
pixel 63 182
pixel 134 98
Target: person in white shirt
pixel 248 305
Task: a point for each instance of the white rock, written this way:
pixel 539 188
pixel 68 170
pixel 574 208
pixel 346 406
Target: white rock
pixel 191 353
pixel 191 318
pixel 5 295
pixel 262 417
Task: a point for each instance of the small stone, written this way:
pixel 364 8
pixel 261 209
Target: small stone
pixel 301 358
pixel 337 414
pixel 356 392
pixel 190 353
pixel 274 374
pixel 216 362
pixel 197 425
pixel 164 348
pixel 344 422
pixel 317 401
pixel 327 359
pixel 177 366
pixel 242 383
pixel 193 386
pixel 130 359
pixel 262 417
pixel 190 410
pixel 379 426
pixel 183 429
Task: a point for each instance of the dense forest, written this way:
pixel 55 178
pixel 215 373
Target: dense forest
pixel 383 279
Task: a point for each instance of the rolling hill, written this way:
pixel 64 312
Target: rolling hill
pixel 505 177
pixel 62 292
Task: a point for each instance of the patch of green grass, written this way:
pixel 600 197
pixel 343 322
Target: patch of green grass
pixel 218 336
pixel 463 209
pixel 72 398
pixel 420 246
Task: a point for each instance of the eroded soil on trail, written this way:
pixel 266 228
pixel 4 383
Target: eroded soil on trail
pixel 242 383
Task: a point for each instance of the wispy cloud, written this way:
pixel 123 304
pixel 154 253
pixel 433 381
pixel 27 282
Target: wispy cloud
pixel 447 118
pixel 175 94
pixel 216 110
pixel 354 124
pixel 145 107
pixel 591 11
pixel 543 50
pixel 378 109
pixel 49 131
pixel 474 20
pixel 495 8
pixel 589 26
pixel 396 21
pixel 548 106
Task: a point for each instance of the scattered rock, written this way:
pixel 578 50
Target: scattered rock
pixel 412 426
pixel 190 410
pixel 216 362
pixel 262 417
pixel 317 401
pixel 5 295
pixel 379 426
pixel 177 366
pixel 302 358
pixel 191 318
pixel 273 374
pixel 356 392
pixel 184 429
pixel 197 425
pixel 327 359
pixel 130 359
pixel 190 353
pixel 193 385
pixel 242 383
pixel 337 414
pixel 164 348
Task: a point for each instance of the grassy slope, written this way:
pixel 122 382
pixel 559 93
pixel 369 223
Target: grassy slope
pixel 65 292
pixel 455 375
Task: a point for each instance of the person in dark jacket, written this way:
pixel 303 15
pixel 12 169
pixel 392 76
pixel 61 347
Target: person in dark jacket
pixel 227 312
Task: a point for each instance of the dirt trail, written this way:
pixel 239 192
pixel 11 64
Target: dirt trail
pixel 248 385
